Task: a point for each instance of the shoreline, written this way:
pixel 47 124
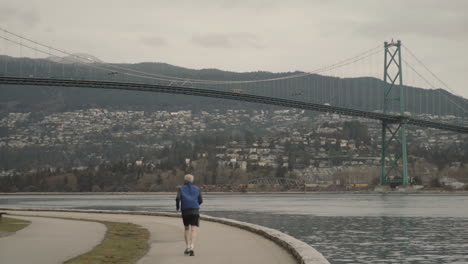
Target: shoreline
pixel 431 191
pixel 302 252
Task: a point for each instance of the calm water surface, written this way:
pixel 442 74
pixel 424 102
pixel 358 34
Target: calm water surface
pixel 346 228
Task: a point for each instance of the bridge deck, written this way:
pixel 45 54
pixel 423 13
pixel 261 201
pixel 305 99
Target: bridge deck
pixel 231 96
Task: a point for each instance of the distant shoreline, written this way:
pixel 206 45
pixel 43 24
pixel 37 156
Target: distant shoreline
pixel 432 191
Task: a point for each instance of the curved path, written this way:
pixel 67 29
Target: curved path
pixel 217 243
pixel 50 241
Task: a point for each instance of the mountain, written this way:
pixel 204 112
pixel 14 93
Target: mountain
pixel 363 93
pixel 75 58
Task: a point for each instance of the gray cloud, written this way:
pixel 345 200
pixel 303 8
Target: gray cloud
pixel 433 27
pixel 154 41
pixel 257 4
pixel 221 40
pixel 249 35
pixel 7 13
pixel 417 18
pixel 212 40
pixel 27 18
pixel 30 18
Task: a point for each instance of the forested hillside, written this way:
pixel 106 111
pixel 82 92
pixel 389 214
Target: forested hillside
pixel 363 93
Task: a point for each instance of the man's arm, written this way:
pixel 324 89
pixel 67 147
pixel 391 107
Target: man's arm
pixel 178 200
pixel 200 198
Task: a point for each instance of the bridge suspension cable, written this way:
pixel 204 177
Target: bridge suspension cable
pixel 332 90
pixel 428 70
pixel 160 77
pixel 329 90
pixel 431 84
pixel 54 55
pixel 434 87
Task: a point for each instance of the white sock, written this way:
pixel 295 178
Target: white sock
pixel 188 246
pixel 191 246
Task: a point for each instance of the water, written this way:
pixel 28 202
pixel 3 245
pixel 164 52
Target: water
pixel 345 228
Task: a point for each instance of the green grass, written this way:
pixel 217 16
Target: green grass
pixel 10 225
pixel 123 243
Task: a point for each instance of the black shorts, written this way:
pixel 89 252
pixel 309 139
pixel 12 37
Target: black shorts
pixel 193 220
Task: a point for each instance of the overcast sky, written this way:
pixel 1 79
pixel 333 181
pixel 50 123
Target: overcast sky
pixel 248 35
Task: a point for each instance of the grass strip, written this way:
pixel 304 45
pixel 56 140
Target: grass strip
pixel 123 243
pixel 11 225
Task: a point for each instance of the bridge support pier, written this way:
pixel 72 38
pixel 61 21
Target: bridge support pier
pixel 397 162
pixel 394 153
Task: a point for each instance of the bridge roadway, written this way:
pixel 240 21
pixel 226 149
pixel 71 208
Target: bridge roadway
pixel 388 118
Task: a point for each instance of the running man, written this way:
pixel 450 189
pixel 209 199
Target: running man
pixel 188 200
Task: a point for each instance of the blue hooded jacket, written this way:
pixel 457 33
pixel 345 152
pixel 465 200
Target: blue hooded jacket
pixel 189 196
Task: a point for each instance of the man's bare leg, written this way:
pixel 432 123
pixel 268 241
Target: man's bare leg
pixel 187 236
pixel 193 238
pixel 193 235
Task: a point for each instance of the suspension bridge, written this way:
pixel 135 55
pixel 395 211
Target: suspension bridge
pixel 352 87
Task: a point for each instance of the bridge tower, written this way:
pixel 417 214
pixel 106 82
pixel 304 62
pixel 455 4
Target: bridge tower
pixel 394 159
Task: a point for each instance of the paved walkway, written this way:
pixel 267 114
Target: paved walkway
pixel 50 241
pixel 217 243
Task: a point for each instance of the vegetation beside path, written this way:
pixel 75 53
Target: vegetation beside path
pixel 10 225
pixel 123 243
